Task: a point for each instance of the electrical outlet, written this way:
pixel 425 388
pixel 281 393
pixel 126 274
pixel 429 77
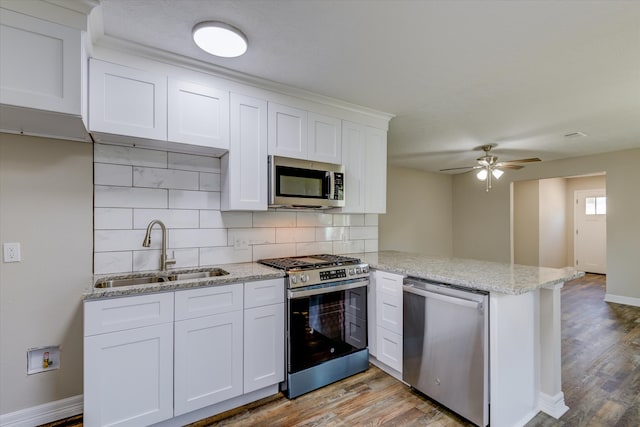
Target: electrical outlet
pixel 11 252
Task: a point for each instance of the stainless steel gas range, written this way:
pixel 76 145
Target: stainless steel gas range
pixel 326 328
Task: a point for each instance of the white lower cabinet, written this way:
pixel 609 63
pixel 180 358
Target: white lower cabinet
pixel 388 319
pixel 128 373
pixel 153 357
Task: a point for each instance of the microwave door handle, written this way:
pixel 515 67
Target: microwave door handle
pixel 331 180
pixel 272 181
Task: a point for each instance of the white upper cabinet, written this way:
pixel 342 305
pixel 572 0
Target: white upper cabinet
pixel 126 101
pixel 244 167
pixel 325 138
pixel 287 131
pixel 41 71
pixel 198 114
pixel 364 155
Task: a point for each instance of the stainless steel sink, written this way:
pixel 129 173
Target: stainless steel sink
pixel 114 283
pixel 199 274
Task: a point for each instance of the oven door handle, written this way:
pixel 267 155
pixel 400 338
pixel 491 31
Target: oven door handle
pixel 295 294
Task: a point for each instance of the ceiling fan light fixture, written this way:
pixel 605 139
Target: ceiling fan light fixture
pixel 220 39
pixel 482 174
pixel 497 173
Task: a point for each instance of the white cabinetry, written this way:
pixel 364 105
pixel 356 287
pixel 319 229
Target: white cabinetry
pixel 263 334
pixel 304 135
pixel 244 167
pixel 389 318
pixel 126 101
pixel 42 71
pixel 364 155
pixel 208 346
pixel 198 114
pixel 128 360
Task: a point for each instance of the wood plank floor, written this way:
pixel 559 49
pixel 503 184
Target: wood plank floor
pixel 601 380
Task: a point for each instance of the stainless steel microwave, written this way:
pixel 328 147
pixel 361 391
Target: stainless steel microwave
pixel 300 183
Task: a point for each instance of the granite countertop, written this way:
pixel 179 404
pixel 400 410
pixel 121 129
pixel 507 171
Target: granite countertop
pixel 488 276
pixel 241 272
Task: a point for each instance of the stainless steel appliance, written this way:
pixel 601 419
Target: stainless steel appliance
pixel 304 183
pixel 445 346
pixel 326 328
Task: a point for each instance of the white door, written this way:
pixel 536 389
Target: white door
pixel 590 220
pixel 263 346
pixel 287 131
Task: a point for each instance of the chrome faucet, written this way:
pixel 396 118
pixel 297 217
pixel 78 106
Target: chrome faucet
pixel 164 261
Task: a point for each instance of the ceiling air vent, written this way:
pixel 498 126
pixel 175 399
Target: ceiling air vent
pixel 575 135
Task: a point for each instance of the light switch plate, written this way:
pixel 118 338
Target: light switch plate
pixel 11 252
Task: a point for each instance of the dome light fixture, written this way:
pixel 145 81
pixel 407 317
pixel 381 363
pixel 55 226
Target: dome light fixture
pixel 220 39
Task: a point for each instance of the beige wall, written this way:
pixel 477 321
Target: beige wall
pixel 552 250
pixel 419 213
pixel 46 189
pixel 526 232
pixel 481 220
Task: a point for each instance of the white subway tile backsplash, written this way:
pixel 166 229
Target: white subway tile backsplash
pixel 171 218
pixel 117 154
pixel 112 218
pixel 197 238
pixel 134 186
pixel 313 248
pixel 363 233
pixel 348 220
pixel 273 251
pixel 209 181
pixel 165 178
pixel 112 262
pixel 193 162
pixel 274 219
pixel 295 235
pixel 324 234
pixel 251 236
pixel 314 219
pixel 184 199
pixel 108 174
pixel 128 197
pixel 224 255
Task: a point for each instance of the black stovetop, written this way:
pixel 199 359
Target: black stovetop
pixel 309 261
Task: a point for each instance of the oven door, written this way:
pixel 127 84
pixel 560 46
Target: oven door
pixel 325 323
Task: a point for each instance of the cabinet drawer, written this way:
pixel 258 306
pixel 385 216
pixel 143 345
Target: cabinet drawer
pixel 389 283
pixel 263 292
pixel 119 314
pixel 207 301
pixel 389 348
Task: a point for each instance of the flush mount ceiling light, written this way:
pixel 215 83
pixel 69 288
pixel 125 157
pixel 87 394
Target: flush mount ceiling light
pixel 220 39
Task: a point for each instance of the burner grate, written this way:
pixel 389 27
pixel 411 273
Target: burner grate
pixel 311 261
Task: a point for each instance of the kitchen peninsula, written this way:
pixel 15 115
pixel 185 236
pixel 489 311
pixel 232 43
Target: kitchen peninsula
pixel 524 326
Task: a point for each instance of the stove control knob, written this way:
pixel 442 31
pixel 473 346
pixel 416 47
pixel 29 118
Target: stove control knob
pixel 365 269
pixel 304 277
pixel 358 270
pixel 293 279
pixel 352 271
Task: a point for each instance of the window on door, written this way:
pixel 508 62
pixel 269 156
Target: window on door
pixel 595 205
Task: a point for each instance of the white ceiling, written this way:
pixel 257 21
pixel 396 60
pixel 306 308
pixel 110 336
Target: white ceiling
pixel 456 74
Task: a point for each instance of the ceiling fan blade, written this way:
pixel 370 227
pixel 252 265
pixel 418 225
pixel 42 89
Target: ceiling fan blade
pixel 508 166
pixel 460 168
pixel 529 160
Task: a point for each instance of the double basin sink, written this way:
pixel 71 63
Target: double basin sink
pixel 170 276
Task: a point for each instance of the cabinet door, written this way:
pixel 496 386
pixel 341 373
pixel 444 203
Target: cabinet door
pixel 208 360
pixel 125 101
pixel 128 377
pixel 389 301
pixel 264 346
pixel 287 131
pixel 389 348
pixel 198 115
pixel 354 161
pixel 244 167
pixel 375 196
pixel 41 64
pixel 324 139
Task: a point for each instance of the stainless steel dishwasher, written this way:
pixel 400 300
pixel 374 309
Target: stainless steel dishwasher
pixel 446 347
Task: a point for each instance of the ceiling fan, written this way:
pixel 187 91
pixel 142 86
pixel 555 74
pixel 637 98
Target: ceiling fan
pixel 489 166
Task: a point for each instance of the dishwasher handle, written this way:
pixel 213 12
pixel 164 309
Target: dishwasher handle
pixel 445 298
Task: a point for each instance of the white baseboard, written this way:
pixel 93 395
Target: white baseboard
pixel 46 413
pixel 622 300
pixel 553 405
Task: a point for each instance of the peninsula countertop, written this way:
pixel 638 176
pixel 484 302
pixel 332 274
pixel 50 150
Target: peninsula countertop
pixel 513 279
